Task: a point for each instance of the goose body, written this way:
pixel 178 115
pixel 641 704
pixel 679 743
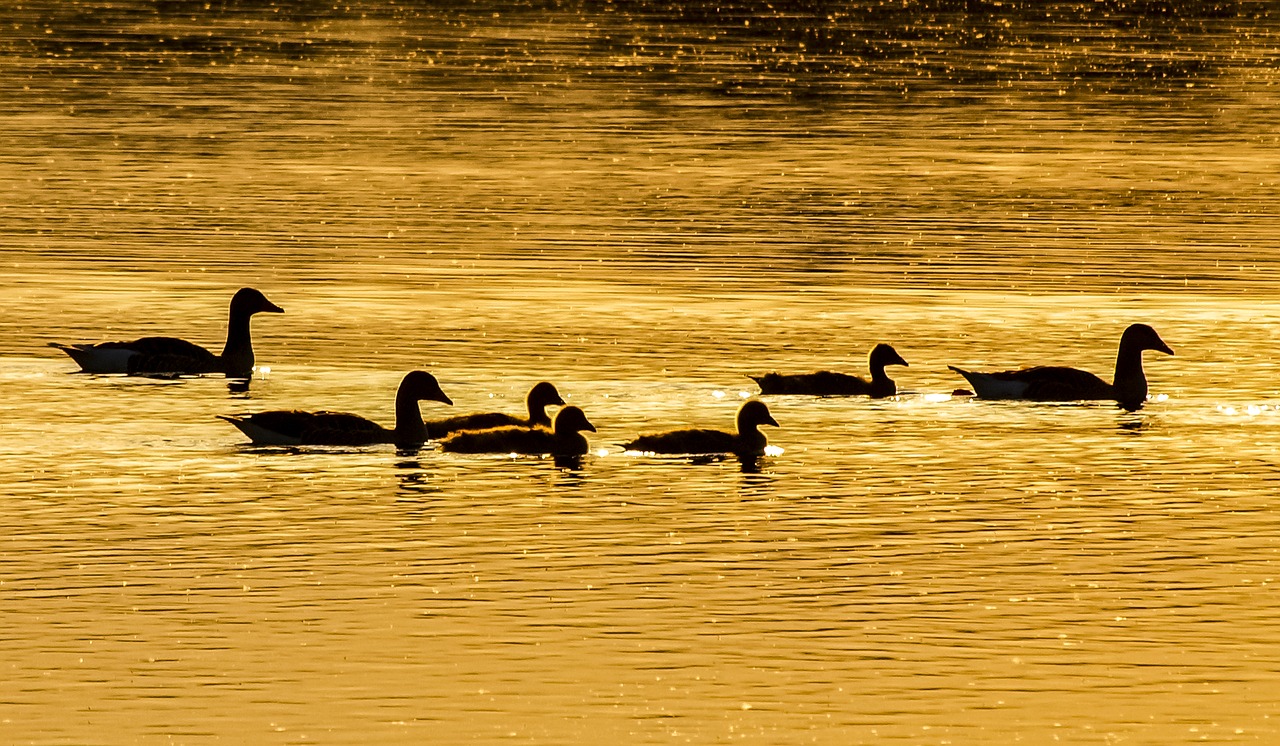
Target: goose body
pixel 170 355
pixel 564 439
pixel 1059 383
pixel 539 398
pixel 831 383
pixel 294 427
pixel 747 441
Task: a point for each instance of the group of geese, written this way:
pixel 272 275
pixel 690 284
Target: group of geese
pixel 537 433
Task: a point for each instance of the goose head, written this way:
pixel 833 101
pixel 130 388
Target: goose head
pixel 422 386
pixel 572 420
pixel 753 414
pixel 883 354
pixel 1142 337
pixel 542 395
pixel 248 301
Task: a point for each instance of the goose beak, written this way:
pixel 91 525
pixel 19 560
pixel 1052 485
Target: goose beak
pixel 441 397
pixel 270 307
pixel 1166 349
pixel 590 427
pixel 770 421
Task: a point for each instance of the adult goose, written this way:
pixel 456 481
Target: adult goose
pixel 565 438
pixel 539 398
pixel 748 441
pixel 830 383
pixel 1057 383
pixel 170 355
pixel 292 427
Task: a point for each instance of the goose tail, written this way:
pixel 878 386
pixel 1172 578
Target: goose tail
pixel 968 375
pixel 97 358
pixel 257 433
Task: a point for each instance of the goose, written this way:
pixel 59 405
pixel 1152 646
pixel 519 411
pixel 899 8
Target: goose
pixel 748 441
pixel 292 427
pixel 539 398
pixel 170 355
pixel 1057 383
pixel 564 439
pixel 830 383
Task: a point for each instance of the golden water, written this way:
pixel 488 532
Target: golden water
pixel 642 205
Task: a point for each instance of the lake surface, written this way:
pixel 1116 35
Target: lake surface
pixel 643 203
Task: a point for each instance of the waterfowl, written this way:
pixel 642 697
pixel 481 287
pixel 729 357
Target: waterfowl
pixel 539 398
pixel 294 427
pixel 1057 383
pixel 564 439
pixel 748 441
pixel 170 355
pixel 830 383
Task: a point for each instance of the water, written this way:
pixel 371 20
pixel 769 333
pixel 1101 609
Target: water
pixel 643 204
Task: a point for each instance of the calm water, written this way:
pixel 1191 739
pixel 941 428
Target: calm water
pixel 642 203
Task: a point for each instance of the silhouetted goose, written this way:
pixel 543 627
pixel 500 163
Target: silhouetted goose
pixel 292 427
pixel 151 355
pixel 564 439
pixel 540 397
pixel 1056 383
pixel 830 383
pixel 748 441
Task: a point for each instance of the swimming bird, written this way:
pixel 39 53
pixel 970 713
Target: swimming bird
pixel 1057 383
pixel 748 441
pixel 539 398
pixel 292 427
pixel 170 355
pixel 564 439
pixel 830 383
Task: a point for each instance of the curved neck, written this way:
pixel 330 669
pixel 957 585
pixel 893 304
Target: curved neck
pixel 878 375
pixel 538 414
pixel 237 354
pixel 881 383
pixel 572 443
pixel 1130 382
pixel 410 429
pixel 751 440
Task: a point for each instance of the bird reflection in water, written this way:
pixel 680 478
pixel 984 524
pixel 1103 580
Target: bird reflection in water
pixel 756 483
pixel 570 472
pixel 1133 425
pixel 568 463
pixel 755 464
pixel 750 465
pixel 747 463
pixel 412 477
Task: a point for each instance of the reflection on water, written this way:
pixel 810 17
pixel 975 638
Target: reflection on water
pixel 642 202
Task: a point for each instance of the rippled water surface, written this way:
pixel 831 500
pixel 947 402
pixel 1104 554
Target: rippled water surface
pixel 643 203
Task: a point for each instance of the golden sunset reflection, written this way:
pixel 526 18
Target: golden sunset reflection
pixel 652 206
